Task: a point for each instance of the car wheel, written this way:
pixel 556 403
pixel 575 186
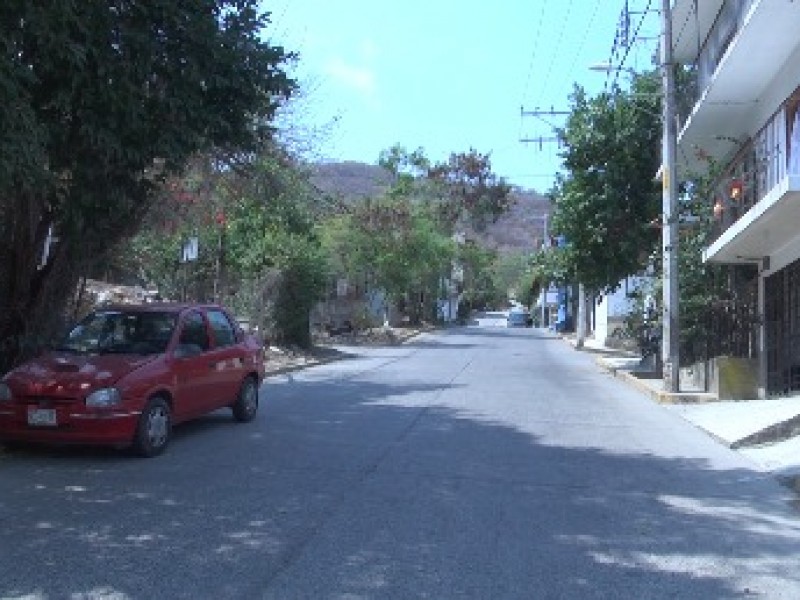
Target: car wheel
pixel 246 405
pixel 154 428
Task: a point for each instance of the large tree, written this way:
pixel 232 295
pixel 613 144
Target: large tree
pixel 101 101
pixel 607 204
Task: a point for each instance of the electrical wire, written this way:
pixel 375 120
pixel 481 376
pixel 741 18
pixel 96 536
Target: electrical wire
pixel 571 69
pixel 533 52
pixel 685 23
pixel 557 49
pixel 630 43
pixel 614 46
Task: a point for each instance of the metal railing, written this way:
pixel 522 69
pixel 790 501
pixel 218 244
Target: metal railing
pixel 759 166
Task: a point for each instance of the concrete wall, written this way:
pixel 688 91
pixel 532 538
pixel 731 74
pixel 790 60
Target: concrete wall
pixel 726 377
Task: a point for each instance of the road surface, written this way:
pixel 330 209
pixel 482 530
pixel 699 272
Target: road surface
pixel 479 462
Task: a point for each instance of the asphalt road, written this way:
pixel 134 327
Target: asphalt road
pixel 480 462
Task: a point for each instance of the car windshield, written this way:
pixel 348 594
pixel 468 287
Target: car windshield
pixel 123 332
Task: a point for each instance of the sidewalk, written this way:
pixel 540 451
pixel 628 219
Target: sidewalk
pixel 766 431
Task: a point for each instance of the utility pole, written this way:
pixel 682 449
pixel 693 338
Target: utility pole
pixel 580 326
pixel 545 240
pixel 543 115
pixel 670 325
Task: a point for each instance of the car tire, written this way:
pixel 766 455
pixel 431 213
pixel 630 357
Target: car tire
pixel 246 405
pixel 154 429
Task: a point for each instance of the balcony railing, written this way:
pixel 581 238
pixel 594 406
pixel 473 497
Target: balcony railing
pixel 758 167
pixel 727 24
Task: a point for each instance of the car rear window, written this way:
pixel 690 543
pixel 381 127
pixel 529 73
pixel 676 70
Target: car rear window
pixel 224 333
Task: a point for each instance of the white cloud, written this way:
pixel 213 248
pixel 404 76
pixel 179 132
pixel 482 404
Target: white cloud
pixel 361 79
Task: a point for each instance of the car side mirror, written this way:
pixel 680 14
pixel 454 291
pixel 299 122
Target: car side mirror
pixel 187 350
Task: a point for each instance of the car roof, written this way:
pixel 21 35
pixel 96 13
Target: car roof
pixel 175 307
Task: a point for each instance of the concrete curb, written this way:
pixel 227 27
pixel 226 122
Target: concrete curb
pixel 778 432
pixel 660 396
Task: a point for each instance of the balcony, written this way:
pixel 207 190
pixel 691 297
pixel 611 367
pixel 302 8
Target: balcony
pixel 726 25
pixel 757 198
pixel 738 55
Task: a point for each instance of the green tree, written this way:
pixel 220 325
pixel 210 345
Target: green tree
pixel 480 286
pixel 395 244
pixel 510 272
pixel 101 101
pixel 272 228
pixel 607 203
pixel 460 191
pixel 404 241
pixel 257 238
pixel 469 191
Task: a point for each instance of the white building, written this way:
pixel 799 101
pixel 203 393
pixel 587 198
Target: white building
pixel 613 309
pixel 744 114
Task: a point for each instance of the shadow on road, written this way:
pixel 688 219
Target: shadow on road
pixel 355 488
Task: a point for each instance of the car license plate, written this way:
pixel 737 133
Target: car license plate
pixel 42 417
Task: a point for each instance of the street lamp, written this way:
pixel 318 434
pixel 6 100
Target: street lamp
pixel 606 67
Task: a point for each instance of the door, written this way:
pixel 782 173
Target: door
pixel 194 368
pixel 229 356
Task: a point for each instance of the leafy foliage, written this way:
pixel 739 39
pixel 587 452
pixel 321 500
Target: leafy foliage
pixel 396 245
pixel 607 203
pixel 707 293
pixel 480 284
pixel 461 191
pixel 101 101
pixel 471 191
pixel 249 224
pixel 403 242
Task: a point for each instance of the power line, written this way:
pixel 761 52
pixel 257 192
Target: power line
pixel 557 48
pixel 681 31
pixel 583 40
pixel 615 45
pixel 632 41
pixel 533 52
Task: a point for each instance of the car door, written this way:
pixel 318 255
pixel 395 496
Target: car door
pixel 229 357
pixel 194 367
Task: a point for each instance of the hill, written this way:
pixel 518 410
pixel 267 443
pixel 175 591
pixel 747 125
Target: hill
pixel 350 180
pixel 522 227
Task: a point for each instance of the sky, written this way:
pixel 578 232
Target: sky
pixel 451 75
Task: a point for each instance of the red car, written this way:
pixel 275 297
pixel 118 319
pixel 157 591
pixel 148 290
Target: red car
pixel 126 374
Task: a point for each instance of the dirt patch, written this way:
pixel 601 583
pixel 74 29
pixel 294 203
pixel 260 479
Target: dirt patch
pixel 377 336
pixel 279 359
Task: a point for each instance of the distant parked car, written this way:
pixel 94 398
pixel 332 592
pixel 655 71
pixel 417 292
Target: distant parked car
pixel 519 318
pixel 126 374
